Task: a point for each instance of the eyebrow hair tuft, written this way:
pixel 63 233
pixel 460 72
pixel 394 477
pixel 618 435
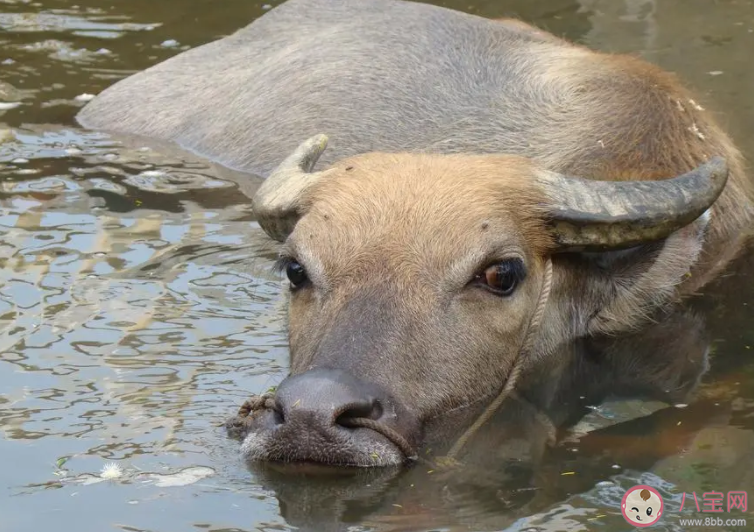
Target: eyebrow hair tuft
pixel 282 262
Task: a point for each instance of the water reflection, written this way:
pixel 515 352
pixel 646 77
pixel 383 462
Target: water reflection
pixel 131 307
pixel 137 306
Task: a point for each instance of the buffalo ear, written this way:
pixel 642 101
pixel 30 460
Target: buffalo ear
pixel 619 291
pixel 623 247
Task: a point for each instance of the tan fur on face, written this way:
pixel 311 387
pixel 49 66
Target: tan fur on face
pixel 391 243
pixel 401 205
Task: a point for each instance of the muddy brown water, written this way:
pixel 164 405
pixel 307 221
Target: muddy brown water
pixel 138 307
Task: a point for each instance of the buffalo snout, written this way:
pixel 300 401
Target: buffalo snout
pixel 330 416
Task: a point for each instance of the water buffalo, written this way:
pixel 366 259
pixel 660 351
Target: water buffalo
pixel 492 197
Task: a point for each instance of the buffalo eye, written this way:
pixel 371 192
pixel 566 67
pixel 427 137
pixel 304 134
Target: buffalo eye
pixel 502 278
pixel 296 274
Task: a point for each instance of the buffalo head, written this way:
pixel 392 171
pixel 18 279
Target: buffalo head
pixel 413 278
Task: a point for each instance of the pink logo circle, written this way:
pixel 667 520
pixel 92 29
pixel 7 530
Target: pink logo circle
pixel 642 506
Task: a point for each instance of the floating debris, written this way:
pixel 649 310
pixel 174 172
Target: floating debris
pixel 5 106
pixel 59 471
pixel 84 97
pixel 715 72
pixel 6 135
pixel 184 477
pixel 170 43
pixel 110 471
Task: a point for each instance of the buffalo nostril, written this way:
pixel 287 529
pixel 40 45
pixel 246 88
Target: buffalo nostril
pixel 370 410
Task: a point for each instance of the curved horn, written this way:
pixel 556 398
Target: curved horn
pixel 589 215
pixel 277 201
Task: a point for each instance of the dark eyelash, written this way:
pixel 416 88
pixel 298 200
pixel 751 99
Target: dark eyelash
pixel 281 264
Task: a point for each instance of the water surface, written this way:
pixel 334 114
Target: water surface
pixel 138 307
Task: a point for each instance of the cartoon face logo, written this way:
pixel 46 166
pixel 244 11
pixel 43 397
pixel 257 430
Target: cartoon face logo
pixel 642 506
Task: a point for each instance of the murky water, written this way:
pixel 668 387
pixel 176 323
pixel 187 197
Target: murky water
pixel 138 306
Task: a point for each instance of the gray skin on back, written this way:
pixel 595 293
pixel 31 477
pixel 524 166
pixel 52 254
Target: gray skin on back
pixel 371 74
